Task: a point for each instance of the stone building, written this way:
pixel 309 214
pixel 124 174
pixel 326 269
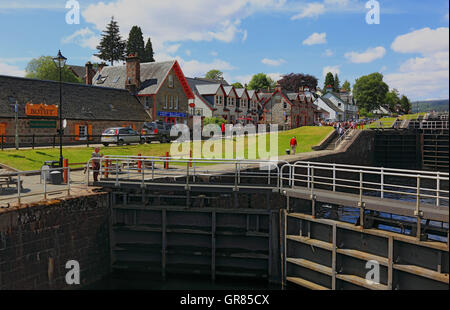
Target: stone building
pixel 160 86
pixel 88 109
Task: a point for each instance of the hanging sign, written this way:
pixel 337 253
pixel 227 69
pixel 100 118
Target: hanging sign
pixel 41 110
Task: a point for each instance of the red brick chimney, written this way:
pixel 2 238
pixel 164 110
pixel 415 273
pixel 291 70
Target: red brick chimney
pixel 133 80
pixel 89 73
pixel 101 66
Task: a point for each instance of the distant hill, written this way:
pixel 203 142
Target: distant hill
pixel 430 105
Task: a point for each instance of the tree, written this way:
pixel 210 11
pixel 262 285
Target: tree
pixel 337 83
pixel 43 68
pixel 112 47
pixel 392 100
pixel 346 86
pixel 213 120
pixel 329 81
pixel 370 91
pixel 237 85
pixel 261 81
pixel 405 105
pixel 214 75
pixel 293 81
pixel 135 43
pixel 148 52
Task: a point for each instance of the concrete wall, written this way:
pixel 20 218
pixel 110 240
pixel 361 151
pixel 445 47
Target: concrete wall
pixel 36 242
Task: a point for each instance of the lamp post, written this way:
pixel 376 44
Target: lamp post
pixel 60 62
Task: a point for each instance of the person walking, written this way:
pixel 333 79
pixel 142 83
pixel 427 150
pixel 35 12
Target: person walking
pixel 96 162
pixel 293 144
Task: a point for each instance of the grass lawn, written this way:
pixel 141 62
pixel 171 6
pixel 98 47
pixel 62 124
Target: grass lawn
pixel 388 121
pixel 34 159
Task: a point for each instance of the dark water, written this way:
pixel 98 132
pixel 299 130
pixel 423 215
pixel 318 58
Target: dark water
pixel 126 280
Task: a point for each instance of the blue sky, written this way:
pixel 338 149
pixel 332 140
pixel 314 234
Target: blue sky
pixel 410 46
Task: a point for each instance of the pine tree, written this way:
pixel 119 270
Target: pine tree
pixel 329 81
pixel 135 42
pixel 336 86
pixel 148 52
pixel 112 47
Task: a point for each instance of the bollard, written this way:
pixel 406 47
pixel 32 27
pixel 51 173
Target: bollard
pixel 190 159
pixel 166 164
pixel 139 164
pixel 66 165
pixel 105 173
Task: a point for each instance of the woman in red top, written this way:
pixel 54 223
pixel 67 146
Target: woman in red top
pixel 293 145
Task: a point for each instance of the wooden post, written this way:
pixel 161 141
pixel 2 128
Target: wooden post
pixel 166 164
pixel 66 165
pixel 139 164
pixel 106 168
pixel 190 156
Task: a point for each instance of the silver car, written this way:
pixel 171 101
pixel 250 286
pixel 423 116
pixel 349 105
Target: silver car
pixel 121 136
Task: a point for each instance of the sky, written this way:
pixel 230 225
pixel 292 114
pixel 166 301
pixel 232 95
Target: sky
pixel 409 45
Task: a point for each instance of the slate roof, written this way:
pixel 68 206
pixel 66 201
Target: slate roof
pixel 251 93
pixel 240 92
pixel 79 101
pixel 208 89
pixel 78 70
pixel 330 104
pixel 228 89
pixel 210 81
pixel 152 76
pixel 193 83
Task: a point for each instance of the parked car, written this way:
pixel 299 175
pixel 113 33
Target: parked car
pixel 157 131
pixel 121 136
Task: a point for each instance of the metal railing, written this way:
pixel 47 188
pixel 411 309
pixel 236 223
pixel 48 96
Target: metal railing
pixel 342 138
pixel 423 187
pixel 188 171
pixel 43 189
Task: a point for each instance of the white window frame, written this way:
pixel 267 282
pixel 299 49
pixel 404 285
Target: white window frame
pixel 170 102
pixel 170 81
pixel 82 132
pixel 166 103
pixel 176 102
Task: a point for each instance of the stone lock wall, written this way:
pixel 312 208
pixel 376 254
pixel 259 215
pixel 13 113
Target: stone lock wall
pixel 37 241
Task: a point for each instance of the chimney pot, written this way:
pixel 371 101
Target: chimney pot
pixel 89 73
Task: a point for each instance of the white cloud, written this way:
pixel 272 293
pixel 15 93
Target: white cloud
pixel 425 76
pixel 84 37
pixel 188 52
pixel 311 10
pixel 172 48
pixel 6 69
pixel 367 56
pixel 195 68
pixel 275 76
pixel 422 41
pixel 214 53
pixel 316 38
pixel 328 53
pixel 194 20
pixel 383 69
pixel 337 2
pixel 273 62
pixel 332 69
pixel 244 36
pixel 15 59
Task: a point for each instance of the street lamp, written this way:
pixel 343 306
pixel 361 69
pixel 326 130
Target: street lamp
pixel 60 62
